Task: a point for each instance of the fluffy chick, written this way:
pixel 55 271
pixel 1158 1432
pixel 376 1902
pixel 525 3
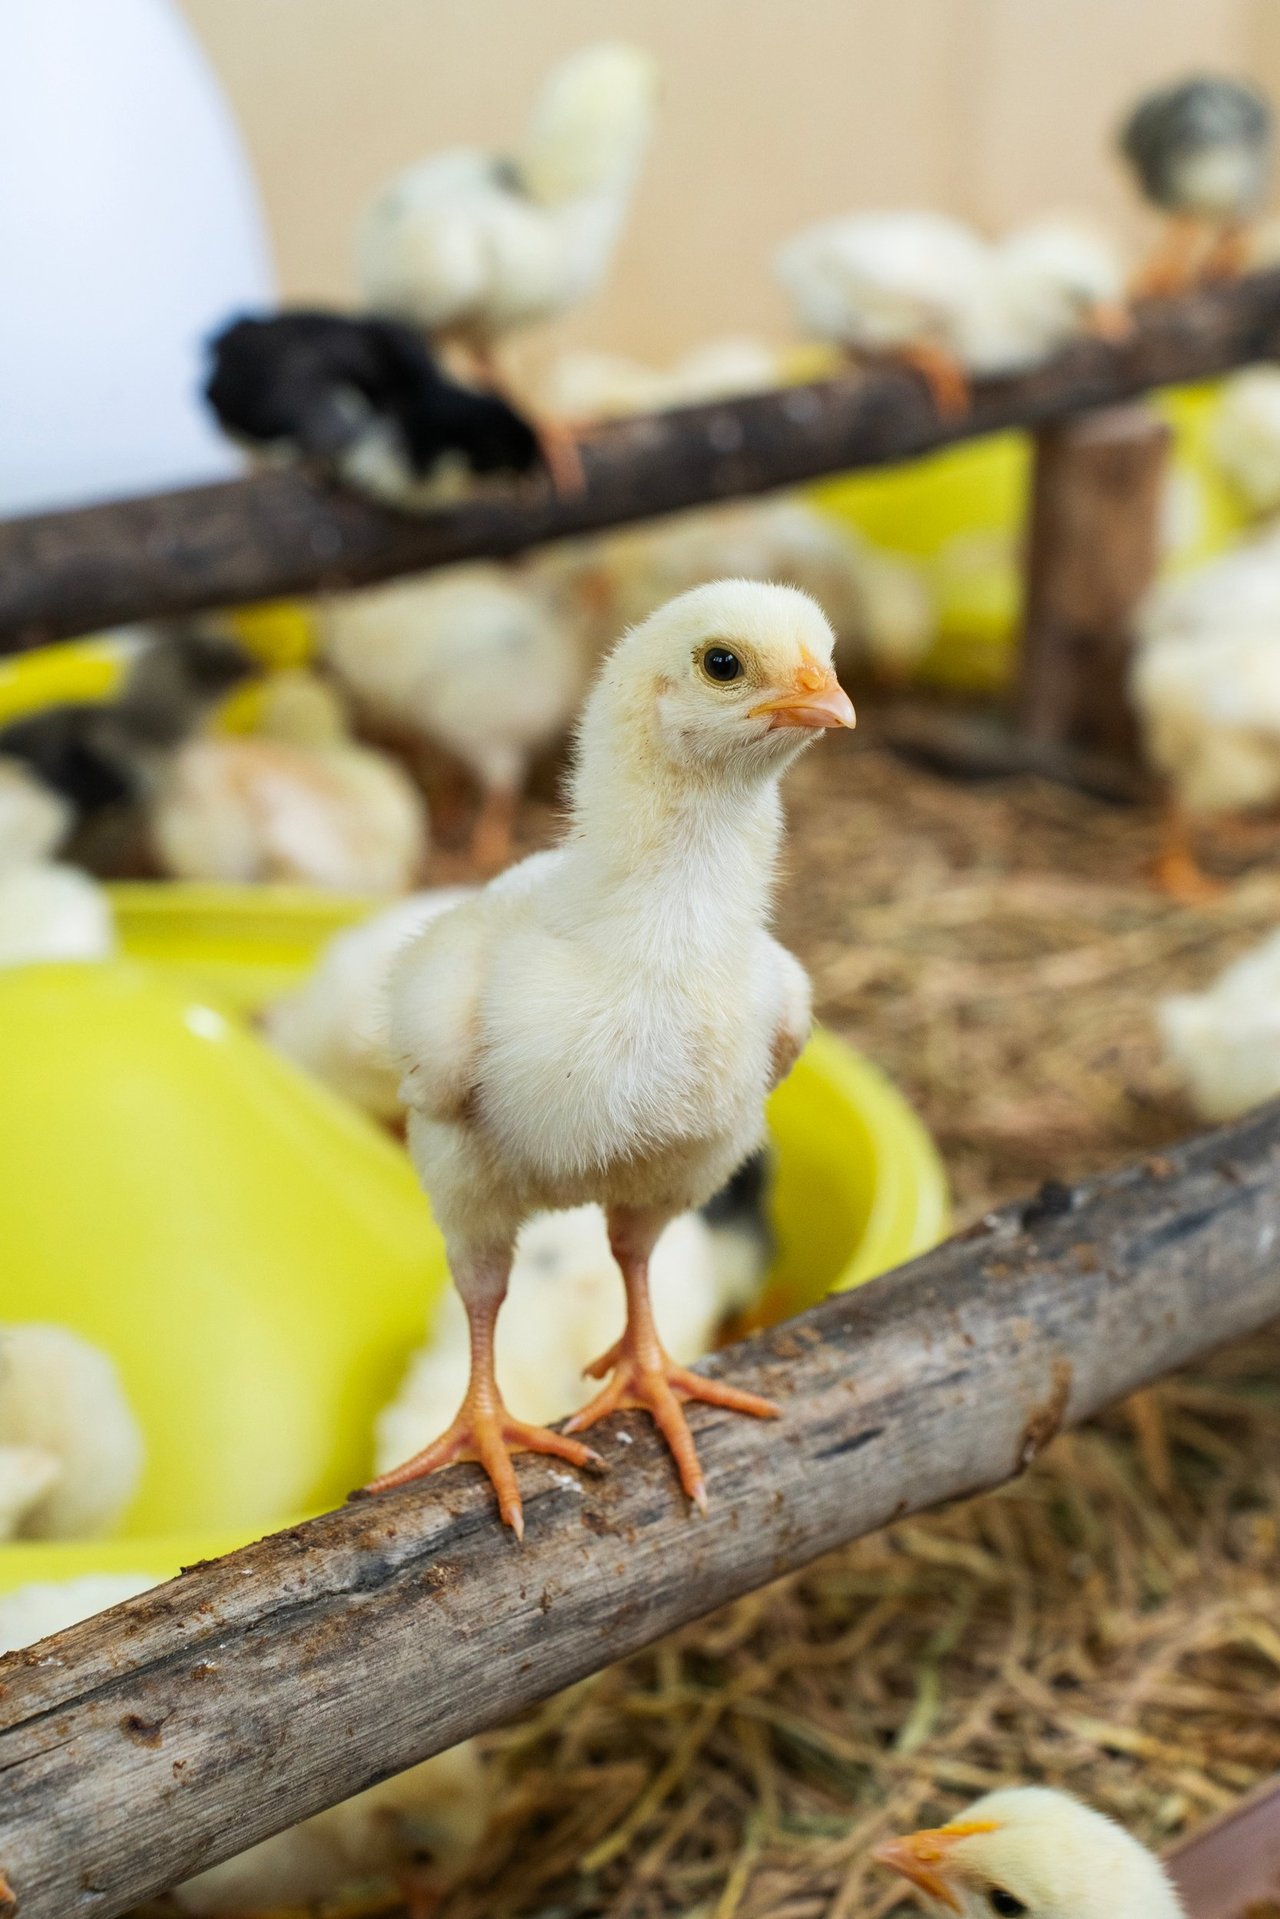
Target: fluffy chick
pixel 1225 1041
pixel 62 1397
pixel 300 801
pixel 1030 1853
pixel 52 912
pixel 470 661
pixel 1205 682
pixel 363 398
pixel 1201 153
pixel 602 1023
pixel 335 1024
pixel 34 820
pixel 1246 435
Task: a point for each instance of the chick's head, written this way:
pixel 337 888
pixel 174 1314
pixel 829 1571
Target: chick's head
pixel 591 124
pixel 733 678
pixel 1031 1853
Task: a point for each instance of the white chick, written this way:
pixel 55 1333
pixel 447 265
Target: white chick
pixel 471 246
pixel 1225 1042
pixel 34 820
pixel 602 1023
pixel 471 661
pixel 299 802
pixel 1027 1852
pixel 1245 436
pixel 335 1024
pixel 62 1397
pixel 563 1308
pixel 52 912
pixel 1048 283
pixel 593 386
pixel 439 1807
pixel 1205 682
pixel 27 1473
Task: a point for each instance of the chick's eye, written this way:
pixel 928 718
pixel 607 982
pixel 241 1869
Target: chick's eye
pixel 721 665
pixel 1005 1903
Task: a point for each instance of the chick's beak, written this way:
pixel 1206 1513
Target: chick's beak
pixel 921 1857
pixel 818 699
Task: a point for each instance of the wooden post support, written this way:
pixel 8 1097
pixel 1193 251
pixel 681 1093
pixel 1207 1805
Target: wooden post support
pixel 185 1725
pixel 1092 553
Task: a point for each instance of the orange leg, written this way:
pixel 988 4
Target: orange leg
pixel 557 440
pixel 485 1431
pixel 490 847
pixel 1228 257
pixel 1176 263
pixel 645 1375
pixel 942 373
pixel 8 1898
pixel 1177 871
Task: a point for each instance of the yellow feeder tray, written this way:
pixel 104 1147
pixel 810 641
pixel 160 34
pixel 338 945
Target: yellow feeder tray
pixel 256 1255
pixel 72 673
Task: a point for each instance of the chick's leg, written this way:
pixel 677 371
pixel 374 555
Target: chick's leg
pixel 1228 257
pixel 1177 871
pixel 643 1372
pixel 490 848
pixel 1176 262
pixel 484 1431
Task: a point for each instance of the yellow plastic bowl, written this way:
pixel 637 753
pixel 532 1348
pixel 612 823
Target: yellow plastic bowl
pixel 256 1255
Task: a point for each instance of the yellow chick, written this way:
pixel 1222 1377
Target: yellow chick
pixel 1225 1042
pixel 299 801
pixel 602 1023
pixel 62 1398
pixel 471 661
pixel 49 911
pixel 1031 1853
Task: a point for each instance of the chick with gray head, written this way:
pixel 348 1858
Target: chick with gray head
pixel 1201 152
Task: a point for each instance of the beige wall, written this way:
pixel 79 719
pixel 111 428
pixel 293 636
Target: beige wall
pixel 775 112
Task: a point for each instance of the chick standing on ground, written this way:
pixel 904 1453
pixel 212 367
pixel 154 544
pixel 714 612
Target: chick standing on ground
pixel 603 1022
pixel 62 1399
pixel 364 399
pixel 48 911
pixel 471 661
pixel 1201 152
pixel 1030 1853
pixel 1225 1041
pixel 472 246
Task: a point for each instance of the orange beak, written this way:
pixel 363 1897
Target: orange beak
pixel 818 700
pixel 920 1857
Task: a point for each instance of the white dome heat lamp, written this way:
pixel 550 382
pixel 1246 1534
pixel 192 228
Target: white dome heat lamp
pixel 130 230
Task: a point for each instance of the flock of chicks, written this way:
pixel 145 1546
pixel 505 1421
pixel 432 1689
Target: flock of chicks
pixel 578 1100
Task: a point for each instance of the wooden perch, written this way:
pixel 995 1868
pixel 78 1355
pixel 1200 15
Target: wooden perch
pixel 191 1722
pixel 281 532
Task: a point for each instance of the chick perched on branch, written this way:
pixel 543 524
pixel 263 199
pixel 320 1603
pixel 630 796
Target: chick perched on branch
pixel 602 1023
pixel 365 399
pixel 471 661
pixel 1201 152
pixel 1030 1853
pixel 472 246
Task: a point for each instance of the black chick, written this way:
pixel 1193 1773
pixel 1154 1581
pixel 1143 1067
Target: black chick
pixel 103 757
pixel 364 398
pixel 1201 152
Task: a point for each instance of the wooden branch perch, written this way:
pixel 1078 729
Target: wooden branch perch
pixel 281 532
pixel 181 1727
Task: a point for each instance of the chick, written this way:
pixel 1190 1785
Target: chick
pixel 61 1397
pixel 471 246
pixel 34 820
pixel 925 290
pixel 299 802
pixel 563 1308
pixel 336 1023
pixel 1225 1042
pixel 1201 152
pixel 602 1023
pixel 1245 436
pixel 364 398
pixel 104 758
pixel 470 661
pixel 52 912
pixel 594 386
pixel 1030 1853
pixel 1205 683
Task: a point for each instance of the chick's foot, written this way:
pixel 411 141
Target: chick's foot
pixel 645 1376
pixel 485 1432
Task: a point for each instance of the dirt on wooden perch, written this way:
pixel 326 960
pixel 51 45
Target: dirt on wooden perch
pixel 191 1722
pixel 282 532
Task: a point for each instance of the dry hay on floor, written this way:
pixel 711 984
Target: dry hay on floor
pixel 1107 1623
